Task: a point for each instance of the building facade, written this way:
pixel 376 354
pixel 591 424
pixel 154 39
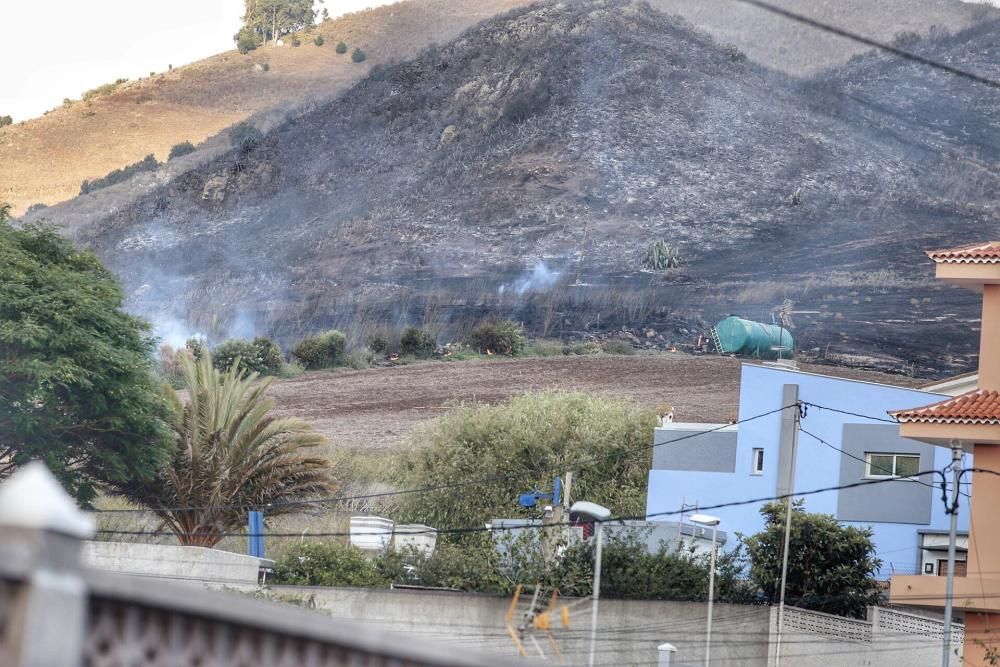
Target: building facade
pixel 844 437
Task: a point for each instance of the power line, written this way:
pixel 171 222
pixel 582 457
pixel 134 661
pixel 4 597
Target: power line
pixel 882 46
pixel 581 463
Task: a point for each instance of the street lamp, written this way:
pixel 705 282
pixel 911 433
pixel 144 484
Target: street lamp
pixel 599 514
pixel 713 521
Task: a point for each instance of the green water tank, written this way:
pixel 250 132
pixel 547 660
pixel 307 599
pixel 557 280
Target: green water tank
pixel 753 339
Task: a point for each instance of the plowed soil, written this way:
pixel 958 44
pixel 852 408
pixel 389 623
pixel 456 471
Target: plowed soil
pixel 377 408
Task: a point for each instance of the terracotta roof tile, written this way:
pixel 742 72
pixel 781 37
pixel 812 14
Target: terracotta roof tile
pixel 981 253
pixel 976 407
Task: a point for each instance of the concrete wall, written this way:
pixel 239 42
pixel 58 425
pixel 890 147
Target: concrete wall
pixel 164 561
pixel 817 465
pixel 711 452
pixel 629 630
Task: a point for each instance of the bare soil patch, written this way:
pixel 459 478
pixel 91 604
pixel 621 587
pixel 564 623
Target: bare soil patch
pixel 375 409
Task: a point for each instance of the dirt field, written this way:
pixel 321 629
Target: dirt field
pixel 376 408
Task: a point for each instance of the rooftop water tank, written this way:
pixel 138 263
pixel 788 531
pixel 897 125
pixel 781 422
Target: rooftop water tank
pixel 371 533
pixel 753 339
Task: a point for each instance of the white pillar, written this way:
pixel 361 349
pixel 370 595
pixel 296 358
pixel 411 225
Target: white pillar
pixel 665 653
pixel 43 532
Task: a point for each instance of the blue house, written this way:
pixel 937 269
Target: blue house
pixel 844 437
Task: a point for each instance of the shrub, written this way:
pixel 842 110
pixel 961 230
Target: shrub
pixel 318 40
pixel 148 163
pixel 328 564
pixel 734 53
pixel 266 67
pixel 296 42
pixel 544 348
pixel 498 337
pixel 5 121
pixel 104 89
pixel 417 343
pixel 260 355
pixel 378 344
pixel 590 347
pixel 661 256
pixel 323 351
pixel 617 347
pixel 246 40
pixel 358 56
pixel 34 208
pixel 245 136
pixel 183 148
pixel 341 48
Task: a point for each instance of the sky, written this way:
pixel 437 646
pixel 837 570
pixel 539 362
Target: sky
pixel 60 48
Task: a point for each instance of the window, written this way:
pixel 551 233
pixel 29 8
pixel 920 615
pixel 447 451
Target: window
pixel 758 461
pixel 891 465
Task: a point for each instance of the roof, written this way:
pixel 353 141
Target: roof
pixel 981 253
pixel 975 407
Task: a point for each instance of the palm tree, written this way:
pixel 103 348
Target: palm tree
pixel 232 455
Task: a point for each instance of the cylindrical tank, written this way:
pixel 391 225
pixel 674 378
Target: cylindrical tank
pixel 754 339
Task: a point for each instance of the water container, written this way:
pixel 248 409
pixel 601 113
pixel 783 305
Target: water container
pixel 754 339
pixel 371 533
pixel 415 537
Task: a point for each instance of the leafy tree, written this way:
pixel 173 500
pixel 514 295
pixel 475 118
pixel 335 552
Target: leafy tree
pixel 322 351
pixel 358 56
pixel 268 20
pixel 417 342
pixel 260 355
pixel 232 454
pixel 246 40
pixel 504 337
pixel 76 382
pixel 178 150
pixel 524 444
pixel 341 48
pixel 318 40
pixel 328 564
pixel 831 567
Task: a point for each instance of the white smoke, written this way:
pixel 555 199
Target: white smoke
pixel 539 279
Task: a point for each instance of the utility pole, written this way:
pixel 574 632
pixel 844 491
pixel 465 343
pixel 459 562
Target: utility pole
pixel 949 590
pixel 788 514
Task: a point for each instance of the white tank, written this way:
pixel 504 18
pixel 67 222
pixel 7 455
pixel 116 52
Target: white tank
pixel 371 533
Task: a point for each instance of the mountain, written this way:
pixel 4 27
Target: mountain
pixel 124 123
pixel 525 167
pixel 86 139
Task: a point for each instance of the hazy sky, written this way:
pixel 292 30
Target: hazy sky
pixel 55 49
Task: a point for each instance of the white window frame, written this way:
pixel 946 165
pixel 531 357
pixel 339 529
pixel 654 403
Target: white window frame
pixel 882 475
pixel 757 455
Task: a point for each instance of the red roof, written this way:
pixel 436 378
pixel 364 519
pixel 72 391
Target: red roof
pixel 976 407
pixel 981 253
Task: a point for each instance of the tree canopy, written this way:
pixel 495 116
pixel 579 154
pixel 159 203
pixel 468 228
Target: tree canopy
pixel 523 444
pixel 270 19
pixel 831 567
pixel 76 383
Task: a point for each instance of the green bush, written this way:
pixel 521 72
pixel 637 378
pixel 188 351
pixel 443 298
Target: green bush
pixel 318 40
pixel 589 347
pixel 323 351
pixel 104 89
pixel 328 564
pixel 341 48
pixel 260 355
pixel 183 148
pixel 544 348
pixel 296 42
pixel 359 360
pixel 246 40
pixel 661 256
pixel 5 121
pixel 245 136
pixel 358 56
pixel 417 343
pixel 148 163
pixel 378 344
pixel 617 347
pixel 498 337
pixel 266 67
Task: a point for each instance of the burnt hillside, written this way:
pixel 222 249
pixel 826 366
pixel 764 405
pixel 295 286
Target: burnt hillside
pixel 560 140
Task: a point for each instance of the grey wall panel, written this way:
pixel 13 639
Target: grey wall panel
pixel 899 501
pixel 711 452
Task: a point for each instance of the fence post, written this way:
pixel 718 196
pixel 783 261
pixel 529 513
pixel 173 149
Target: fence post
pixel 43 532
pixel 665 653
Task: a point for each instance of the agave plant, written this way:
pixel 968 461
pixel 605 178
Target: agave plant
pixel 661 256
pixel 232 455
